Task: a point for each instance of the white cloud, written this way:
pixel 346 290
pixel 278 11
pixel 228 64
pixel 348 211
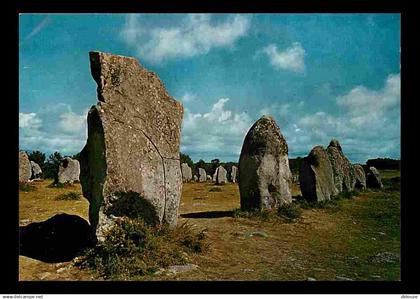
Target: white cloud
pixel 72 123
pixel 196 35
pixel 218 133
pixel 53 128
pixel 291 59
pixel 29 121
pixel 38 28
pixel 188 97
pixel 368 126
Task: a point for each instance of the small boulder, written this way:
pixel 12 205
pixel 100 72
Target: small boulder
pixel 36 171
pixel 373 179
pixel 221 175
pixel 186 172
pixel 316 176
pixel 360 177
pixel 202 176
pixel 233 174
pixel 343 171
pixel 68 171
pixel 25 169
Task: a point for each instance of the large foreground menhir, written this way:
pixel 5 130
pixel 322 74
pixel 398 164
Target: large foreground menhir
pixel 132 146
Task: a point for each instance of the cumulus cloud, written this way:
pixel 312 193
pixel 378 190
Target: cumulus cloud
pixel 195 35
pixel 29 121
pixel 53 128
pixel 367 127
pixel 218 133
pixel 188 97
pixel 291 59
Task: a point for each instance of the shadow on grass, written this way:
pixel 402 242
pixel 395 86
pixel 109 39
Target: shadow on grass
pixel 58 239
pixel 209 214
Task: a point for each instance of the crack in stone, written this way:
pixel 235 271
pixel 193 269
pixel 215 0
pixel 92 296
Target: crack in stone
pixel 160 155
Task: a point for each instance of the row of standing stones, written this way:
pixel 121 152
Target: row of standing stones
pixel 219 177
pixel 68 170
pixel 133 147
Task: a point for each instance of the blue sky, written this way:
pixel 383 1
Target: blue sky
pixel 321 76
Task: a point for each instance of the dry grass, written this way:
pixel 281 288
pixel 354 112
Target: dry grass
pixel 324 244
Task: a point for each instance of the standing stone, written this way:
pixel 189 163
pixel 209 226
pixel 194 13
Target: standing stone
pixel 221 176
pixel 360 176
pixel 343 171
pixel 24 167
pixel 68 171
pixel 233 173
pixel 373 179
pixel 202 176
pixel 186 172
pixel 264 171
pixel 316 176
pixel 214 176
pixel 36 171
pixel 195 178
pixel 133 144
pixel 209 178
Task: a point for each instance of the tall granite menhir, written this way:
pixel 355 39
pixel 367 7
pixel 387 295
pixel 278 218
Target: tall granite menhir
pixel 133 144
pixel 264 171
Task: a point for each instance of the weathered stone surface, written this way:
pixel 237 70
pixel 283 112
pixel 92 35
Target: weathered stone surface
pixel 209 178
pixel 214 176
pixel 36 170
pixel 24 167
pixel 264 171
pixel 373 178
pixel 133 142
pixel 68 171
pixel 186 172
pixel 221 175
pixel 195 178
pixel 202 175
pixel 360 176
pixel 316 176
pixel 233 174
pixel 343 171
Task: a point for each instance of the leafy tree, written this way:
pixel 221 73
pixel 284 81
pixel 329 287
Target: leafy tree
pixel 76 157
pixel 50 170
pixel 38 157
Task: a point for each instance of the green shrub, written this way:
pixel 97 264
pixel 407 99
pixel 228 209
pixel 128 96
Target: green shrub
pixel 290 212
pixel 69 196
pixel 132 205
pixel 26 187
pixel 215 189
pixel 60 185
pixel 392 184
pixel 133 249
pixel 256 214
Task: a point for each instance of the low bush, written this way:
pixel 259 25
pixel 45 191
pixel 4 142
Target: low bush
pixel 69 196
pixel 60 185
pixel 26 187
pixel 290 212
pixel 133 249
pixel 262 215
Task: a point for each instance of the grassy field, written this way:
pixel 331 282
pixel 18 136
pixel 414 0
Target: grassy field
pixel 353 239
